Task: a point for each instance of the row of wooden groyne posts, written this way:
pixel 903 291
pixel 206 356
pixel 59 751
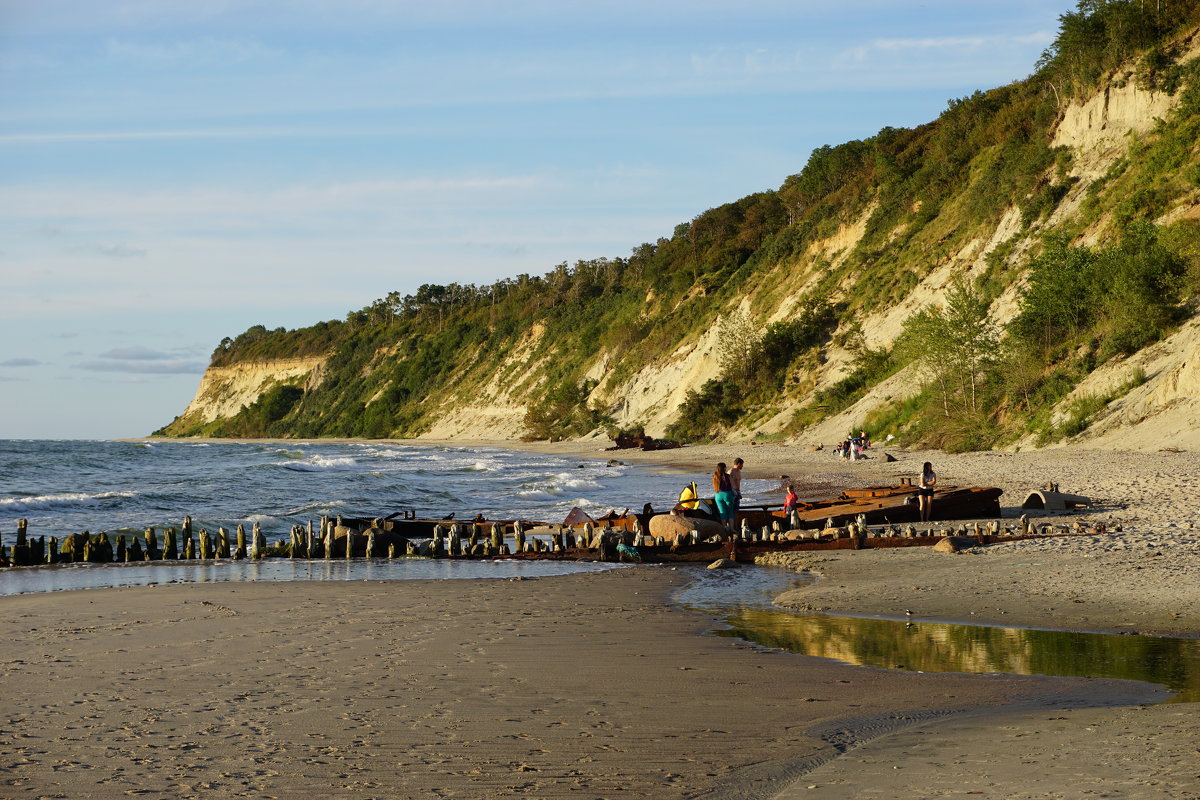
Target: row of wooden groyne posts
pixel 333 538
pixel 329 539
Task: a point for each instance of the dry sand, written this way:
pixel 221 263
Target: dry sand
pixel 594 686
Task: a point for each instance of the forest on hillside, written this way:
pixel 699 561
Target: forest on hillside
pixel 928 191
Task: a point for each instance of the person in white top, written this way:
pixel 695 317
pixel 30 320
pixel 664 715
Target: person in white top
pixel 925 486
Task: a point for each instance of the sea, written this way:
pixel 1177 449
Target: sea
pixel 123 487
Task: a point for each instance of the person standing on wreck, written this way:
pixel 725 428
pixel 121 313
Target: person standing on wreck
pixel 723 496
pixel 735 483
pixel 925 491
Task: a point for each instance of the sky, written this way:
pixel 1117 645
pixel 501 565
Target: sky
pixel 173 172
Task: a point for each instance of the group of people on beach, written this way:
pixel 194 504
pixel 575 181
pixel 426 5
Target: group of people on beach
pixel 851 448
pixel 727 492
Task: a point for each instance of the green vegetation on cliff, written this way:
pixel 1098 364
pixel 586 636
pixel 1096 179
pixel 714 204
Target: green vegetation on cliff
pixel 921 197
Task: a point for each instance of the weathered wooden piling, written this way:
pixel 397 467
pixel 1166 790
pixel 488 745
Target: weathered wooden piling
pixel 370 551
pixel 327 536
pixel 519 535
pixel 222 543
pixel 52 552
pixel 497 536
pixel 294 542
pixel 206 545
pixel 121 554
pixel 240 552
pixel 152 552
pixel 186 532
pixel 102 549
pixel 135 550
pixel 171 546
pixel 259 541
pixel 20 552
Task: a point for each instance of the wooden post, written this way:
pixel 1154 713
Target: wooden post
pixel 294 542
pixel 411 549
pixel 259 541
pixel 473 538
pixel 1024 524
pixel 328 528
pixel 349 539
pixel 171 552
pixel 497 536
pixel 222 543
pixel 589 536
pixel 20 551
pixel 519 535
pixel 391 550
pixel 152 553
pixel 135 550
pixel 308 540
pixel 240 552
pixel 52 553
pixel 189 544
pixel 370 543
pixel 102 549
pixel 206 548
pixel 122 555
pixel 455 540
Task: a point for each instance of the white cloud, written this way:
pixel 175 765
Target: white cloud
pixel 966 45
pixel 145 368
pixel 136 354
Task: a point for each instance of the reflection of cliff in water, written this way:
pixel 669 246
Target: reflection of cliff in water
pixel 941 647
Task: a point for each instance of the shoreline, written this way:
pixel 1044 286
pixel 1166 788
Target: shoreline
pixel 1139 576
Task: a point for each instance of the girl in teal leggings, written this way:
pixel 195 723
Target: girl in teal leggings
pixel 724 497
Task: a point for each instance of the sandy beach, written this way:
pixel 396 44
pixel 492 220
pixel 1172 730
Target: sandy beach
pixel 596 686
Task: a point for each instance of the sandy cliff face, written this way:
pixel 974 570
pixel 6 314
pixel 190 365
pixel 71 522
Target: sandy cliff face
pixel 226 390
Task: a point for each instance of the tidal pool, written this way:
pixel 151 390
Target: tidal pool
pixel 742 598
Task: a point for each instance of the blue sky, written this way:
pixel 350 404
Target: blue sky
pixel 173 172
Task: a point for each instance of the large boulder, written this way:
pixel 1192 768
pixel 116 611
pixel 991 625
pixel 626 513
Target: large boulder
pixel 953 544
pixel 672 526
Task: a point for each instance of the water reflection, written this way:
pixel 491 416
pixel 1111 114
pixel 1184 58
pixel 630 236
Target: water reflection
pixel 944 647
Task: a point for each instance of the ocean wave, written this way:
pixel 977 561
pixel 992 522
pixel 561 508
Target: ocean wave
pixel 322 464
pixel 64 500
pixel 539 494
pixel 327 507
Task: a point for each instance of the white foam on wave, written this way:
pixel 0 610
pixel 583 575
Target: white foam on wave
pixel 539 494
pixel 44 501
pixel 322 507
pixel 322 464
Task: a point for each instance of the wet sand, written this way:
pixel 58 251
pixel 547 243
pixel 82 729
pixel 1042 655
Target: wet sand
pixel 580 686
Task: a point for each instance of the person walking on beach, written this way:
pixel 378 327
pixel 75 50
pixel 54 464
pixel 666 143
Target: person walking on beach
pixel 925 491
pixel 735 483
pixel 724 495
